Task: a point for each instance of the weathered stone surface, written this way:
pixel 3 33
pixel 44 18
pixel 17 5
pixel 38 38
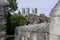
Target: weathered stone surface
pixel 54 24
pixel 54 37
pixel 2 38
pixel 3 2
pixel 31 32
pixel 3 18
pixel 55 20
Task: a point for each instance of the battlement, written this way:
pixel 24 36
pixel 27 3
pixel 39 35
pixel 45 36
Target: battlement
pixel 27 11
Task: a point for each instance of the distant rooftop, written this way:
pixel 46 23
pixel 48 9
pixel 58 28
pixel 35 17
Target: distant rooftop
pixel 3 2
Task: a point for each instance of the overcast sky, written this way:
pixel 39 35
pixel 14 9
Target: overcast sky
pixel 43 6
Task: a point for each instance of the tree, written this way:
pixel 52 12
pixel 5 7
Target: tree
pixel 12 8
pixel 8 22
pixel 12 5
pixel 10 38
pixel 16 20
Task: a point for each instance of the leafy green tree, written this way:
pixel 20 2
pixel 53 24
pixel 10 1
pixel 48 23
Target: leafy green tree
pixel 16 20
pixel 10 38
pixel 8 22
pixel 12 7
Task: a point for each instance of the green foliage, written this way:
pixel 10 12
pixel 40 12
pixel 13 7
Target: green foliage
pixel 12 5
pixel 15 20
pixel 12 8
pixel 8 23
pixel 46 19
pixel 10 38
pixel 18 20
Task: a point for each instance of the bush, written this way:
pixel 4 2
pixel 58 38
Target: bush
pixel 14 21
pixel 10 38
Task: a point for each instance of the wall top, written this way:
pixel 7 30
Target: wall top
pixel 3 2
pixel 56 10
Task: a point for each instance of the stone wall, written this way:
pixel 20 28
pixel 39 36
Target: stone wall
pixel 3 18
pixel 31 32
pixel 54 25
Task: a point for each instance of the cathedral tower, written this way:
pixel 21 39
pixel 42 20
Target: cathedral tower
pixel 34 10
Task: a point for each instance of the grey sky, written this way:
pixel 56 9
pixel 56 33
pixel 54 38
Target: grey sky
pixel 44 6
